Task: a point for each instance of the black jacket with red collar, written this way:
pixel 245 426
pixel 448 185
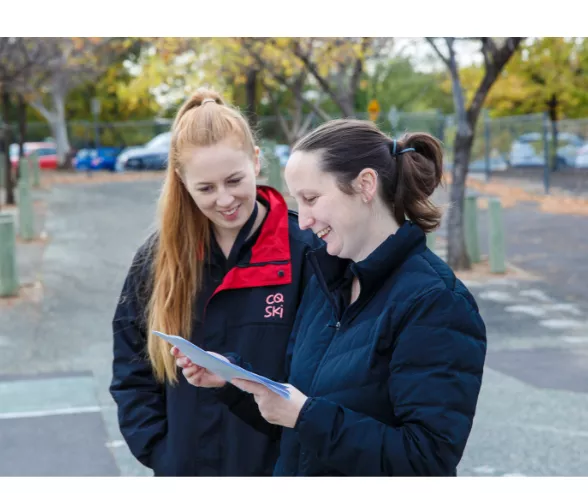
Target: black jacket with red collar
pixel 247 306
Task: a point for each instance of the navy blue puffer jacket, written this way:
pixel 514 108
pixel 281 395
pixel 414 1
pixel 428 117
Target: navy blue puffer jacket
pixel 393 379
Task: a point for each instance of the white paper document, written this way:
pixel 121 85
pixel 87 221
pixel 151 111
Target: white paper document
pixel 220 367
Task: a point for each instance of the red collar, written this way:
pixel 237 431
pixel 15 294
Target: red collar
pixel 270 263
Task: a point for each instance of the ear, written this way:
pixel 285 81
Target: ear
pixel 256 161
pixel 366 184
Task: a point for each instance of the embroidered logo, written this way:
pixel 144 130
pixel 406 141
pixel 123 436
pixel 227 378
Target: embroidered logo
pixel 275 306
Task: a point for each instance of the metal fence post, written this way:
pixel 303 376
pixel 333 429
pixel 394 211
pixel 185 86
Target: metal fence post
pixel 546 151
pixel 8 270
pixel 442 122
pixel 2 170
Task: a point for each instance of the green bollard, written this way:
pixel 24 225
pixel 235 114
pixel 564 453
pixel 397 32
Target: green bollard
pixel 8 272
pixel 496 237
pixel 431 237
pixel 471 228
pixel 34 164
pixel 26 219
pixel 24 171
pixel 275 171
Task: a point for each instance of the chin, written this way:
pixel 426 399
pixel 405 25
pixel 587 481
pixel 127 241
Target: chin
pixel 333 250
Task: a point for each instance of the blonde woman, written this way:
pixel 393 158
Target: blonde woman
pixel 226 269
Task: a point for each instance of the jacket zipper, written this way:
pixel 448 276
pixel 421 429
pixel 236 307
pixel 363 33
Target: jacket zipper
pixel 337 328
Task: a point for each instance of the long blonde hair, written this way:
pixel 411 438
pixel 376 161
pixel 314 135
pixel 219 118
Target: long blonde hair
pixel 184 237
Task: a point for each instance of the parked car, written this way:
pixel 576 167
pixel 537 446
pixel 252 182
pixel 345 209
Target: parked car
pixel 527 150
pixel 46 151
pixel 103 158
pixel 582 157
pixel 497 163
pixel 151 156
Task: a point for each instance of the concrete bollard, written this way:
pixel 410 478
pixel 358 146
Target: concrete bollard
pixel 497 254
pixel 274 171
pixel 8 271
pixel 24 173
pixel 472 239
pixel 26 218
pixel 431 239
pixel 34 165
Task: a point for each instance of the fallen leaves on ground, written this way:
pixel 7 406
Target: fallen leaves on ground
pixel 555 203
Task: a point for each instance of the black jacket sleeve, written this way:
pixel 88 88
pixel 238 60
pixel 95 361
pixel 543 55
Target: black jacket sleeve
pixel 139 397
pixel 242 404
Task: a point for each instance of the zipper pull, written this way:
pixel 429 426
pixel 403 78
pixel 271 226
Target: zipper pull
pixel 338 326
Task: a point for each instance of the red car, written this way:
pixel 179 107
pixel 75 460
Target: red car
pixel 46 150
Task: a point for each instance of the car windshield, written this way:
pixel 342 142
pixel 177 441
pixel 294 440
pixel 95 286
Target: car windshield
pixel 162 140
pixel 45 151
pixel 84 153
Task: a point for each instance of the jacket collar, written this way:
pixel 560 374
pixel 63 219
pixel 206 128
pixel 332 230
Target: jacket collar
pixel 270 262
pixel 376 267
pixel 269 243
pixel 273 243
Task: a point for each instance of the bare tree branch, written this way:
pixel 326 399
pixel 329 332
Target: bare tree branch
pixel 438 52
pixel 263 64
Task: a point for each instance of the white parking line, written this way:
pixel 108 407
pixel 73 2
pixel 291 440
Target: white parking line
pixel 116 444
pixel 532 310
pixel 51 412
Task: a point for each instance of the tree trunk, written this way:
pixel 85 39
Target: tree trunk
pixel 22 122
pixel 6 137
pixel 457 256
pixel 58 124
pixel 552 105
pixel 347 105
pixel 251 96
pixel 59 130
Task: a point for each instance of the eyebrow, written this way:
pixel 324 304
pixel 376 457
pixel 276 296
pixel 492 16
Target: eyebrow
pixel 306 191
pixel 200 183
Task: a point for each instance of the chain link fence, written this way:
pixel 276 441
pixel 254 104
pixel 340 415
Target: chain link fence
pixel 513 146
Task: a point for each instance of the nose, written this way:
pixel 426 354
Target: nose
pixel 225 198
pixel 305 220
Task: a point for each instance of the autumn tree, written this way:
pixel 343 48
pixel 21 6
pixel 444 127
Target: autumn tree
pixel 302 68
pixel 547 75
pixel 21 61
pixel 496 54
pixel 77 61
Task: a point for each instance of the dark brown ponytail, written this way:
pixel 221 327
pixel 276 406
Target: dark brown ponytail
pixel 409 169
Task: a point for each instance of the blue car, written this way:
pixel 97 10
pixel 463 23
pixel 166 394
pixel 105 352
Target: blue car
pixel 103 158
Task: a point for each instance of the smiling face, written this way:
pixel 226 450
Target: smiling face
pixel 341 220
pixel 221 180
